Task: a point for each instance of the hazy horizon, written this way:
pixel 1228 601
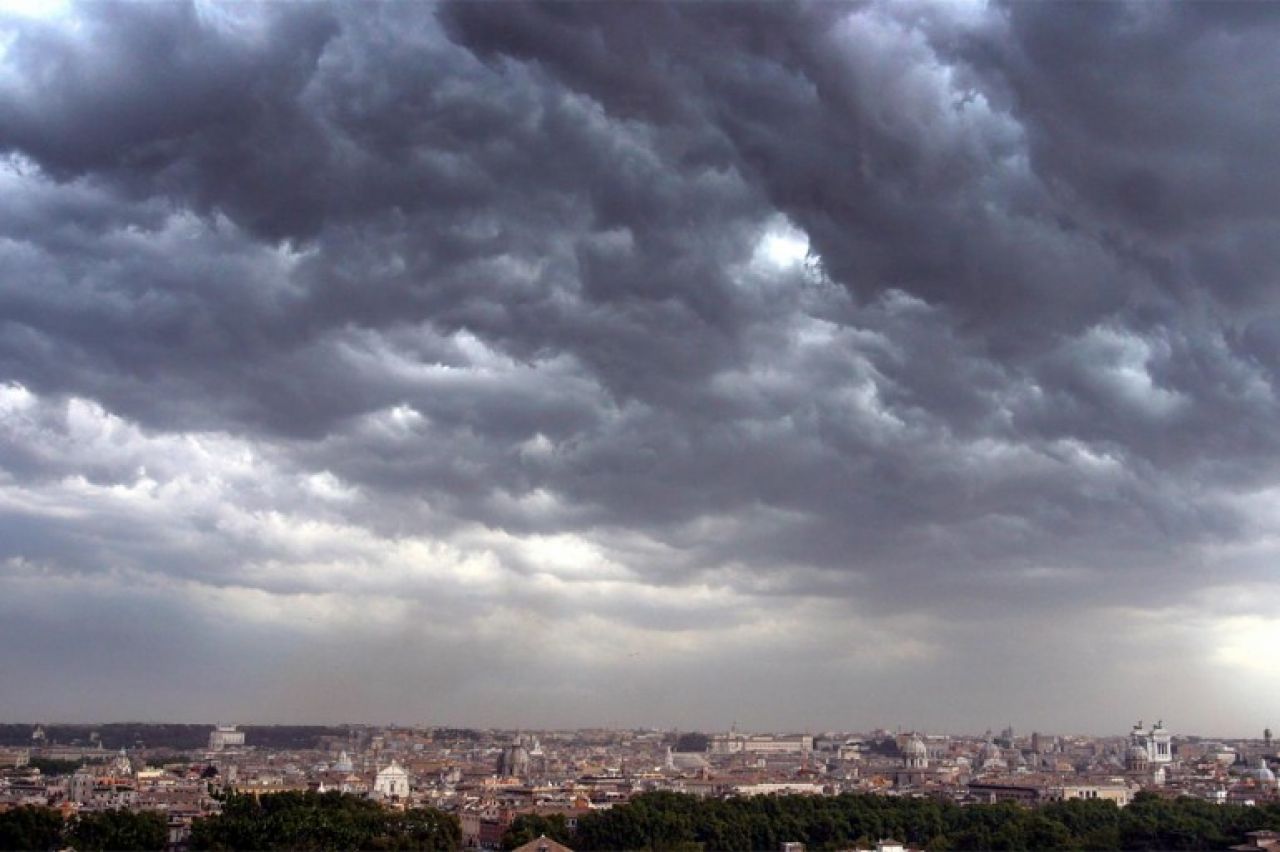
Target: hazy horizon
pixel 1019 733
pixel 804 365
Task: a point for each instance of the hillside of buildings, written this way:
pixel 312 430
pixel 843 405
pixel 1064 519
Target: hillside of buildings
pixel 400 787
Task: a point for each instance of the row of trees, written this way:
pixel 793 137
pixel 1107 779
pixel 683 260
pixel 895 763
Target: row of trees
pixel 53 766
pixel 666 821
pixel 37 828
pixel 304 821
pixel 670 821
pixel 323 821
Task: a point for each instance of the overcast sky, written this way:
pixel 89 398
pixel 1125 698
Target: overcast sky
pixel 806 366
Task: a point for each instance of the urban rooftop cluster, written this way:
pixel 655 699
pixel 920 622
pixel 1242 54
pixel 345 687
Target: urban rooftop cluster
pixel 489 779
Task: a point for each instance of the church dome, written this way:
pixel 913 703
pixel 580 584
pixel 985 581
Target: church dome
pixel 1136 758
pixel 1263 773
pixel 915 747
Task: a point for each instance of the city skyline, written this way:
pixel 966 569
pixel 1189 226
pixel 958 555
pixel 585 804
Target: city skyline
pixel 558 365
pixel 1009 731
pixel 599 789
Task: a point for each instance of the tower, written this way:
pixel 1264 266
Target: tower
pixel 1161 748
pixel 80 787
pixel 1157 743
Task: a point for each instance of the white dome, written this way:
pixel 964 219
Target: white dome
pixel 915 747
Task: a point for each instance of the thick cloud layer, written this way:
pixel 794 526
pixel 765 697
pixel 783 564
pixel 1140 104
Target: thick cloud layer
pixel 824 365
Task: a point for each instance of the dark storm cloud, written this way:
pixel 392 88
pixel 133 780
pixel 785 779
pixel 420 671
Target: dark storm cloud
pixel 487 288
pixel 1177 140
pixel 157 101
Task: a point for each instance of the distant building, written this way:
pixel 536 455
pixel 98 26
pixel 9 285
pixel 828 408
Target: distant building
pixel 1111 792
pixel 991 757
pixel 915 769
pixel 1262 774
pixel 392 782
pixel 736 743
pixel 224 737
pixel 122 766
pixel 1136 758
pixel 1157 742
pixel 513 761
pixel 915 755
pixel 1259 840
pixel 14 757
pixel 80 788
pixel 850 749
pixel 991 793
pixel 684 761
pixel 780 788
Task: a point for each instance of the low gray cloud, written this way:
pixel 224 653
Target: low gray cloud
pixel 848 343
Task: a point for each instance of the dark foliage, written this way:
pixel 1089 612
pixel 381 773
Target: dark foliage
pixel 49 766
pixel 691 741
pixel 32 828
pixel 114 830
pixel 448 735
pixel 322 821
pixel 529 827
pixel 670 821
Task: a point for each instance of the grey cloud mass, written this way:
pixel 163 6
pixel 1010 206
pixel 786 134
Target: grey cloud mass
pixel 827 365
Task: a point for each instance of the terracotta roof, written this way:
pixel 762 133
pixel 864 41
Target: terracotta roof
pixel 543 844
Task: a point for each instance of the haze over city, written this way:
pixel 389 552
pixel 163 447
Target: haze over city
pixel 814 366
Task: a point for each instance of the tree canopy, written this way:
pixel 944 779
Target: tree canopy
pixel 37 828
pixel 670 821
pixel 527 827
pixel 322 821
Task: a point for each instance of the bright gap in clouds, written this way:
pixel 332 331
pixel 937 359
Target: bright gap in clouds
pixel 34 8
pixel 1242 637
pixel 782 245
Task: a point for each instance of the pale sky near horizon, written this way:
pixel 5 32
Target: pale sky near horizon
pixel 816 365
